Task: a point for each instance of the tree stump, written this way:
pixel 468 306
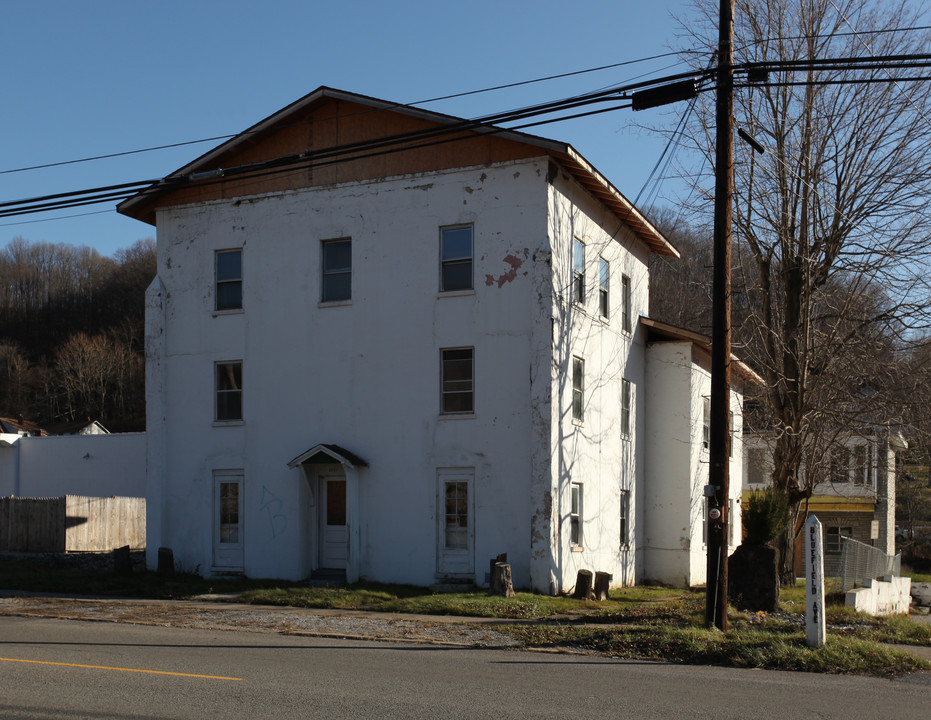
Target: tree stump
pixel 501 580
pixel 502 558
pixel 602 583
pixel 583 585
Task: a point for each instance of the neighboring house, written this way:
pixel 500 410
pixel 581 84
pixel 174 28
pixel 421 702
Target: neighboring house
pixel 78 427
pixel 855 495
pixel 392 344
pixel 678 432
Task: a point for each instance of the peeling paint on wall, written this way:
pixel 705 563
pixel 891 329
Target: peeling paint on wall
pixel 516 263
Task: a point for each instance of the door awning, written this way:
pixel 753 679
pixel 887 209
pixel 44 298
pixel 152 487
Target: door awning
pixel 326 454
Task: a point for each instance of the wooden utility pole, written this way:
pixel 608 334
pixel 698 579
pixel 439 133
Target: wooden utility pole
pixel 719 446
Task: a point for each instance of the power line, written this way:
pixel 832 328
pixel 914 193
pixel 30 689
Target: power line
pixel 218 138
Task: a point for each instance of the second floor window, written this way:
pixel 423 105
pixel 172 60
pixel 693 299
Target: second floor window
pixel 626 407
pixel 603 297
pixel 229 279
pixel 337 270
pixel 456 258
pixel 578 389
pixel 457 380
pixel 229 391
pixel 626 317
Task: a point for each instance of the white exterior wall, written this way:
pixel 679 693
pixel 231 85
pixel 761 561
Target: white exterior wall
pixel 89 465
pixel 593 452
pixel 363 375
pixel 677 463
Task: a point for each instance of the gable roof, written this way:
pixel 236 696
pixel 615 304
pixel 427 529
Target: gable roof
pixel 331 136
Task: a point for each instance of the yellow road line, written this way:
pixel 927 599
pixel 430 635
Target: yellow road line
pixel 103 667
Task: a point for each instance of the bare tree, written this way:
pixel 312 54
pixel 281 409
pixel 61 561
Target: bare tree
pixel 830 222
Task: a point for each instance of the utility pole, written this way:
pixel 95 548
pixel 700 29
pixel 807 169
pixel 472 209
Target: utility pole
pixel 719 445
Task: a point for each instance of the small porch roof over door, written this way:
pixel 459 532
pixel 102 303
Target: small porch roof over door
pixel 325 454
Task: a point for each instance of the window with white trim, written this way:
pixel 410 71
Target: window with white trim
pixel 337 270
pixel 578 389
pixel 457 383
pixel 706 422
pixel 625 518
pixel 863 465
pixel 456 258
pixel 228 274
pixel 627 410
pixel 578 271
pixel 604 299
pixel 626 309
pixel 575 515
pixel 228 391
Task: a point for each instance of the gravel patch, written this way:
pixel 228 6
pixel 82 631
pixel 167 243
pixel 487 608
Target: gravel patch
pixel 254 618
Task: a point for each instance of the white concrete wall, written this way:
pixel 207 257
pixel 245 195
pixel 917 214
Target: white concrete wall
pixel 888 595
pixel 594 452
pixel 678 380
pixel 90 465
pixel 363 375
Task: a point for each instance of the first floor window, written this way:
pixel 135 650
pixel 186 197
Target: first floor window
pixel 578 388
pixel 457 382
pixel 228 273
pixel 626 407
pixel 575 515
pixel 625 518
pixel 456 258
pixel 337 270
pixel 706 423
pixel 832 539
pixel 229 391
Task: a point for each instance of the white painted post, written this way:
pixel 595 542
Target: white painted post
pixel 814 583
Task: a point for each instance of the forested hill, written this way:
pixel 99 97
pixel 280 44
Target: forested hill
pixel 71 333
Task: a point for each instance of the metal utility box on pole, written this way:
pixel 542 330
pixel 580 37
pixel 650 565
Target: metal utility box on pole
pixel 719 450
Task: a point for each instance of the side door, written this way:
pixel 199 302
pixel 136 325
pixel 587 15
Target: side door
pixel 455 522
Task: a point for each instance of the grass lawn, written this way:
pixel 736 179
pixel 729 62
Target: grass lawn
pixel 644 622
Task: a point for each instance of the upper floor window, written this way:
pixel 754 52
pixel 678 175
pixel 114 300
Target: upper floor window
pixel 229 279
pixel 456 258
pixel 706 422
pixel 626 407
pixel 626 318
pixel 578 271
pixel 337 270
pixel 625 518
pixel 863 461
pixel 229 391
pixel 457 380
pixel 578 389
pixel 603 298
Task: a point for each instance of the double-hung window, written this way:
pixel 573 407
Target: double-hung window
pixel 625 518
pixel 626 407
pixel 604 299
pixel 228 272
pixel 457 384
pixel 337 270
pixel 575 515
pixel 578 271
pixel 228 391
pixel 706 422
pixel 578 389
pixel 626 317
pixel 456 258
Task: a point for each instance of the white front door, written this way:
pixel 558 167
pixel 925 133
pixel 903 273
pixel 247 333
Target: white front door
pixel 227 525
pixel 455 526
pixel 333 536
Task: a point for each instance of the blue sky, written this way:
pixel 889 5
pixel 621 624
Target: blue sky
pixel 97 77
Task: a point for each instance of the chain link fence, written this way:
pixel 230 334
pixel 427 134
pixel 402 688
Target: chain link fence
pixel 860 562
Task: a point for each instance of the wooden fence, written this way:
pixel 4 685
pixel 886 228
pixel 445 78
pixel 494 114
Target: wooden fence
pixel 71 524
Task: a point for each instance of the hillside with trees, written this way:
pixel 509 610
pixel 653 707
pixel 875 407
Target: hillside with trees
pixel 72 326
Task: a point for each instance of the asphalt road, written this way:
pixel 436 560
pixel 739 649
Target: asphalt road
pixel 58 669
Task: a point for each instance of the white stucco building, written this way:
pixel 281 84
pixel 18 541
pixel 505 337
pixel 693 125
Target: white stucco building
pixel 388 343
